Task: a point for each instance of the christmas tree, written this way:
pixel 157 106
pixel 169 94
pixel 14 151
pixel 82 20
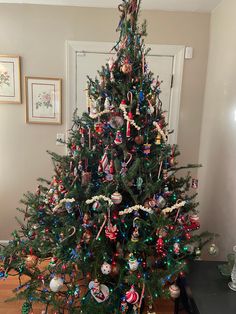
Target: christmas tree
pixel 114 225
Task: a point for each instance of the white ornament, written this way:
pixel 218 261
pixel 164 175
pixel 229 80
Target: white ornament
pixel 106 268
pixel 56 284
pixel 116 198
pixel 133 262
pixel 174 291
pixel 107 103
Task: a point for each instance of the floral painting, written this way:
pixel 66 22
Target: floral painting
pixel 10 86
pixel 4 79
pixel 43 97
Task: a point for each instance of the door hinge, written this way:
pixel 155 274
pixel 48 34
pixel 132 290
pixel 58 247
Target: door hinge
pixel 172 81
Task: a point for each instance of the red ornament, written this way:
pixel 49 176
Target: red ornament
pixel 128 128
pixel 132 296
pixel 99 128
pixel 111 232
pixel 118 140
pixel 112 167
pixel 188 236
pixel 139 139
pixel 160 246
pixel 82 131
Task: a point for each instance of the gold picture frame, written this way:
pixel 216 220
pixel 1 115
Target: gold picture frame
pixel 10 79
pixel 43 100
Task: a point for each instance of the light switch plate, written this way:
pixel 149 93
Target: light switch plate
pixel 60 137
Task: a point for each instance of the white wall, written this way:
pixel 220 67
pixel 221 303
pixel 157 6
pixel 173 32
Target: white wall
pixel 218 135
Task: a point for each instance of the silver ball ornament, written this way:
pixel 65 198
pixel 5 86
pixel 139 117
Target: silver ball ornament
pixel 56 284
pixel 213 249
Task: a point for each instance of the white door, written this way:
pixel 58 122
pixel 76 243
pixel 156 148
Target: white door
pixel 86 62
pixel 89 63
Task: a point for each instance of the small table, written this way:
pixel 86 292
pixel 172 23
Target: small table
pixel 206 291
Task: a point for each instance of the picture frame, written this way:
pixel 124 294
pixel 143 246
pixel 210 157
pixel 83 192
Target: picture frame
pixel 10 79
pixel 43 100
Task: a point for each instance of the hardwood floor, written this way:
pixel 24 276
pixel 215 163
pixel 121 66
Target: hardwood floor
pixel 6 287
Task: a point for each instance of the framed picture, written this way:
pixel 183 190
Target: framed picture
pixel 43 100
pixel 10 79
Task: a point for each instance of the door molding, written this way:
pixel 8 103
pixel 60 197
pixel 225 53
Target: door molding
pixel 175 51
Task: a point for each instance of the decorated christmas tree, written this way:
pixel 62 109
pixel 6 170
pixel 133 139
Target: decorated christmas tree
pixel 113 228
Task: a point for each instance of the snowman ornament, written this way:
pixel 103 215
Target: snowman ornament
pixel 133 262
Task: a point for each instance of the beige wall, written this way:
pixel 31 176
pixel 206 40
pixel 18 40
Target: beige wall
pixel 38 34
pixel 218 142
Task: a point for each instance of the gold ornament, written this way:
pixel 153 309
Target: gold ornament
pixel 31 261
pixel 126 68
pixel 158 139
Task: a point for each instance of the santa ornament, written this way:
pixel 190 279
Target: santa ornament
pixel 118 140
pixel 99 291
pixel 111 232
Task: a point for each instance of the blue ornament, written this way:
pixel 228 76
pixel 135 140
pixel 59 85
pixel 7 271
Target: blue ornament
pixel 141 96
pixel 69 207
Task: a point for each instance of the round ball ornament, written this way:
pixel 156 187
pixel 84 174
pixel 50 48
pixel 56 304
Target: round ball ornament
pixel 174 291
pixel 139 139
pixel 116 121
pixel 106 268
pixel 115 269
pixel 56 284
pixel 213 249
pixel 116 198
pixel 31 261
pixel 126 68
pixel 96 205
pixel 194 219
pixel 132 296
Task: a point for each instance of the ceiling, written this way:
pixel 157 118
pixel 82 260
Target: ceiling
pixel 170 5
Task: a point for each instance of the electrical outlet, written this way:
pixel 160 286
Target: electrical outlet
pixel 60 137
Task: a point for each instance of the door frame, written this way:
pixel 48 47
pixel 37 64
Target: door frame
pixel 175 51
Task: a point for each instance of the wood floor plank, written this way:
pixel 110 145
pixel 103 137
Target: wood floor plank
pixel 6 287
